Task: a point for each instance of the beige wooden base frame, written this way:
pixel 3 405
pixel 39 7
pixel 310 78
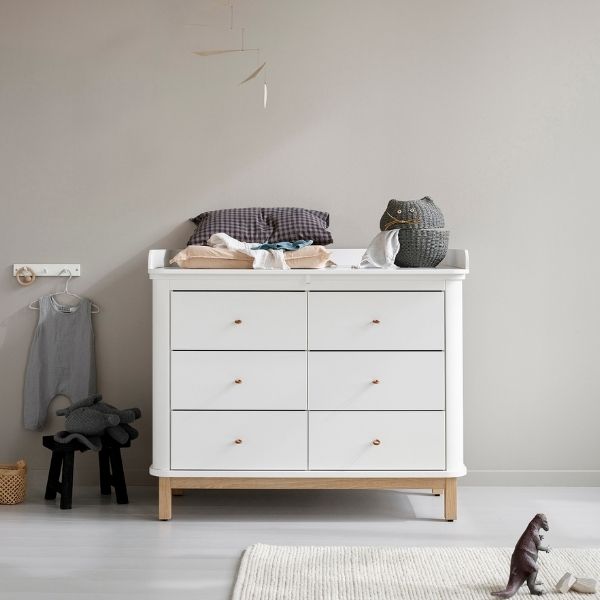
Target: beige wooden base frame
pixel 170 486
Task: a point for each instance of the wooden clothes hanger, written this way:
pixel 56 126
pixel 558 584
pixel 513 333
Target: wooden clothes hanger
pixel 66 292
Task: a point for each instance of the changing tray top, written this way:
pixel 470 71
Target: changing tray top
pixel 454 266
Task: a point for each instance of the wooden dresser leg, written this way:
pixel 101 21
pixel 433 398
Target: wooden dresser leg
pixel 450 499
pixel 437 492
pixel 164 498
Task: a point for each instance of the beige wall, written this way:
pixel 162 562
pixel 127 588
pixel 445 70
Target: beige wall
pixel 112 134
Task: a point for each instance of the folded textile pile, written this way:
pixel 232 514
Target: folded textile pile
pixel 228 253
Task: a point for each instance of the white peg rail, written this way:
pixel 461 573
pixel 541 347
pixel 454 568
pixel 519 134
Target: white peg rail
pixel 50 269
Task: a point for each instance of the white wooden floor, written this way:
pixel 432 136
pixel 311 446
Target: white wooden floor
pixel 102 550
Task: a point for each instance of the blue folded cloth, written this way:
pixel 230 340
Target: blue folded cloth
pixel 284 245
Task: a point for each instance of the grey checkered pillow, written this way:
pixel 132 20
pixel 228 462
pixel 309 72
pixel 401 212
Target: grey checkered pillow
pixel 290 224
pixel 244 224
pixel 262 225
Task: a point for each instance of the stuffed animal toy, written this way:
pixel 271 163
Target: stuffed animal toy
pixel 89 419
pixel 121 432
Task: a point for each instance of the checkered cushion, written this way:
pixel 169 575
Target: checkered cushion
pixel 243 224
pixel 290 224
pixel 262 225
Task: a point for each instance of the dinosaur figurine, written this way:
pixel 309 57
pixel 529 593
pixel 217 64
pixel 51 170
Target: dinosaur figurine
pixel 523 564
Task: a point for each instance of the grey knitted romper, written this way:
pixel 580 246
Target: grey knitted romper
pixel 61 358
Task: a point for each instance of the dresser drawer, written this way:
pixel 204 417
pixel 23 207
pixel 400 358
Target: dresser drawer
pixel 376 321
pixel 238 320
pixel 389 441
pixel 376 381
pixel 238 380
pixel 238 440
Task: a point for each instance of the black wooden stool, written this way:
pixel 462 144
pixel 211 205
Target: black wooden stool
pixel 63 459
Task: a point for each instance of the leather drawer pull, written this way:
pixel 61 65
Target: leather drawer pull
pixel 238 381
pixel 238 321
pixel 238 441
pixel 375 381
pixel 376 442
pixel 376 321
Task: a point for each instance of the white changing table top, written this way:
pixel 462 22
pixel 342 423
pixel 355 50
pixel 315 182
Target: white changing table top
pixel 454 266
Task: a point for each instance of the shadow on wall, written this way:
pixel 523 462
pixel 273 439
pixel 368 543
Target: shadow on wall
pixel 123 331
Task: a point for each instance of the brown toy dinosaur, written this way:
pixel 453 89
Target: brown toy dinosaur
pixel 523 564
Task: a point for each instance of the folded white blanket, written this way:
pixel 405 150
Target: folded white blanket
pixel 263 259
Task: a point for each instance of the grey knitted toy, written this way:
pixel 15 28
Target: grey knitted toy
pixel 87 420
pixel 121 432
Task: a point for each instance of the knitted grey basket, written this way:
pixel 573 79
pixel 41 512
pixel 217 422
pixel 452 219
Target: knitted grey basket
pixel 411 214
pixel 422 247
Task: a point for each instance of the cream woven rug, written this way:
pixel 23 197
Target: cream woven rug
pixel 388 573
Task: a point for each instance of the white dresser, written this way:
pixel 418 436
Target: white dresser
pixel 331 378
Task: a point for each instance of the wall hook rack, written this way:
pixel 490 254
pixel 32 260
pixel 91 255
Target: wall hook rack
pixel 26 274
pixel 49 269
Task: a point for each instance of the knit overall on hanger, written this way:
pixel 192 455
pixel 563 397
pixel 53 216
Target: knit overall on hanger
pixel 61 358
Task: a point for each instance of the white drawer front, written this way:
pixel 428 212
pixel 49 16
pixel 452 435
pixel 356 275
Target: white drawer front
pixel 267 440
pixel 238 320
pixel 376 321
pixel 238 380
pixel 376 381
pixel 404 441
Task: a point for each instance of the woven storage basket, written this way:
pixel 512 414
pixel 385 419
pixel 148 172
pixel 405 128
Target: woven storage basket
pixel 13 483
pixel 412 214
pixel 422 247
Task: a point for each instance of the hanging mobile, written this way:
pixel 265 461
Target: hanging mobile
pixel 265 92
pixel 241 49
